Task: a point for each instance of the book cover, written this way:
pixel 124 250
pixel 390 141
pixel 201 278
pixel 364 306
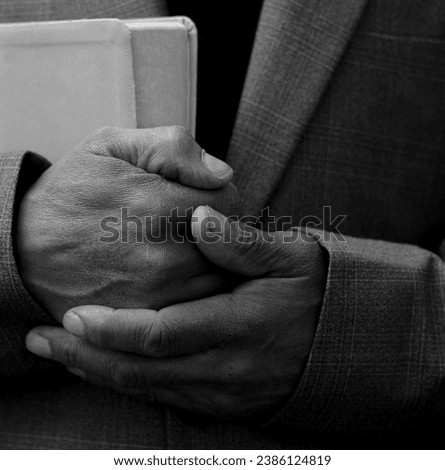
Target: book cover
pixel 60 81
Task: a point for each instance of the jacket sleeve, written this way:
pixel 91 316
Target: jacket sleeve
pixel 377 363
pixel 18 312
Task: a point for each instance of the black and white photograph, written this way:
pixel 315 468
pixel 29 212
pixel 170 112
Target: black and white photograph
pixel 222 228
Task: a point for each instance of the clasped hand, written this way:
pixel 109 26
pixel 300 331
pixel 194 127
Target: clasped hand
pixel 238 353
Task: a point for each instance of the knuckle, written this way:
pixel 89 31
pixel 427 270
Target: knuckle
pixel 100 142
pixel 178 134
pixel 124 375
pixel 68 353
pixel 107 133
pixel 155 338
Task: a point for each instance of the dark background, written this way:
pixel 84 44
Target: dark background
pixel 226 32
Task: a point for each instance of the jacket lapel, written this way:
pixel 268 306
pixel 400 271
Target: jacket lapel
pixel 298 45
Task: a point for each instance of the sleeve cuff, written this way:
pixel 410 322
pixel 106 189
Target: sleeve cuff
pixel 18 311
pixel 376 361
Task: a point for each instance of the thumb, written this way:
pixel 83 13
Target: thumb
pixel 167 151
pixel 241 248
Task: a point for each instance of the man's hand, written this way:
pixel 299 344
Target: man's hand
pixel 239 354
pixel 86 229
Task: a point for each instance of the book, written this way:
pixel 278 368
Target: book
pixel 165 71
pixel 60 81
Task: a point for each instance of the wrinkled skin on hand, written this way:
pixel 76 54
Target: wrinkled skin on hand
pixel 64 258
pixel 239 354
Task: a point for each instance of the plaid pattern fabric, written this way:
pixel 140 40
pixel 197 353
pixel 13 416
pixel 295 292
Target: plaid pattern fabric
pixel 378 361
pixel 297 47
pixel 343 106
pixel 358 129
pixel 19 313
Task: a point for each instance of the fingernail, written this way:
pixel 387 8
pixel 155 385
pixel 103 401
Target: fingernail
pixel 216 166
pixel 74 324
pixel 80 373
pixel 213 214
pixel 39 345
pixel 220 223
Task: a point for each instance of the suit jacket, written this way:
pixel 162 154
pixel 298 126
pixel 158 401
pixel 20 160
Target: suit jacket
pixel 343 107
